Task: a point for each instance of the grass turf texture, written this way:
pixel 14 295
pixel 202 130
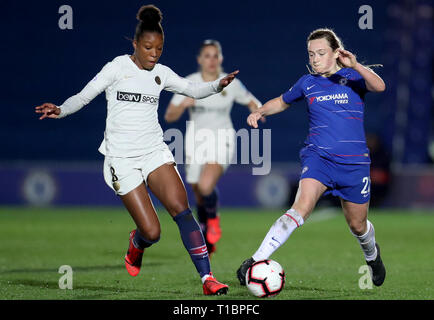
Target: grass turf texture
pixel 321 260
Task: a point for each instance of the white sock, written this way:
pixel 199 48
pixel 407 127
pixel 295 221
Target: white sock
pixel 205 277
pixel 278 234
pixel 367 242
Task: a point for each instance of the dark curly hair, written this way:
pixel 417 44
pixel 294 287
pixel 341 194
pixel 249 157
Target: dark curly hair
pixel 149 17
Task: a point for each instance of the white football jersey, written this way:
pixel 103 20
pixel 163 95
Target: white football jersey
pixel 210 136
pixel 132 127
pixel 214 111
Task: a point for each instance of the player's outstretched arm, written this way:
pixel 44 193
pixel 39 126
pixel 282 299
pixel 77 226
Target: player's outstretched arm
pixel 272 106
pixel 197 90
pixel 48 110
pixel 254 105
pixel 73 104
pixel 224 82
pixel 373 81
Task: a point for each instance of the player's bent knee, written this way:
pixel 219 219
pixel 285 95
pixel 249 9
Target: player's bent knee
pixel 358 227
pixel 205 189
pixel 177 207
pixel 303 210
pixel 154 236
pixel 151 234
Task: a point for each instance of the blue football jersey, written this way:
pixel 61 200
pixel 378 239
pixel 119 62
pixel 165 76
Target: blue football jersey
pixel 336 110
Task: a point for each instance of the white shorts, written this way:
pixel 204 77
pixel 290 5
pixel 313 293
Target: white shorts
pixel 123 175
pixel 199 154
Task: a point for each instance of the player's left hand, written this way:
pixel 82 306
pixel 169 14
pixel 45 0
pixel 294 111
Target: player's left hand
pixel 227 80
pixel 347 58
pixel 252 119
pixel 49 110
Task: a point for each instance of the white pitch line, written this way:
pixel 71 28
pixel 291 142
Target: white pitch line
pixel 323 214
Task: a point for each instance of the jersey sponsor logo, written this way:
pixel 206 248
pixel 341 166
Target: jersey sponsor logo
pixel 130 97
pixel 311 99
pixel 197 109
pixel 276 240
pixel 149 99
pixel 338 98
pixel 137 97
pixel 343 81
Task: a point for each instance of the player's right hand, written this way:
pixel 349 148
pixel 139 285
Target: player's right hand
pixel 187 102
pixel 252 119
pixel 49 110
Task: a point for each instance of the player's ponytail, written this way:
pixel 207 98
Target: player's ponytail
pixel 149 17
pixel 334 41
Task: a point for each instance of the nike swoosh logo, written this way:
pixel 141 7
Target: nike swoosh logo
pixel 308 88
pixel 275 240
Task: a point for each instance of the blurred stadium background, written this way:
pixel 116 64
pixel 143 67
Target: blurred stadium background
pixel 57 162
pixel 47 167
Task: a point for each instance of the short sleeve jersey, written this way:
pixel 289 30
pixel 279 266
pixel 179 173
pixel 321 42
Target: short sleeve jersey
pixel 336 111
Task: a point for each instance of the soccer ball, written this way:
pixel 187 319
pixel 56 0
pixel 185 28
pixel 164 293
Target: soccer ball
pixel 265 278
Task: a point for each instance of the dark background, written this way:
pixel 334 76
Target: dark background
pixel 266 41
pixel 56 162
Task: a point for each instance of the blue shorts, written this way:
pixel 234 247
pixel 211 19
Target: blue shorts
pixel 350 182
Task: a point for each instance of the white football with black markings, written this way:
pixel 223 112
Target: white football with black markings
pixel 265 278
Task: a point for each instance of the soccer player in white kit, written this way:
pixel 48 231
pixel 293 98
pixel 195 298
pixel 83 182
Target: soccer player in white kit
pixel 210 136
pixel 135 153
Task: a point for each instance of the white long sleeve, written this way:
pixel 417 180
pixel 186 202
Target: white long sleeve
pixel 78 101
pixel 97 85
pixel 214 112
pixel 132 94
pixel 186 87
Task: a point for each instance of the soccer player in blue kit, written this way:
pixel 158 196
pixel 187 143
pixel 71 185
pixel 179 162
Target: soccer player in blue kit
pixel 335 158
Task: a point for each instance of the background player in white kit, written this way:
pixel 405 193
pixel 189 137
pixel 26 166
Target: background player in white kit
pixel 135 153
pixel 210 137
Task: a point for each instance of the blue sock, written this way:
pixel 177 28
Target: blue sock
pixel 193 241
pixel 210 202
pixel 140 242
pixel 202 217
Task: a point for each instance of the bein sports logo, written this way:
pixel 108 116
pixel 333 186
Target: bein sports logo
pixel 136 97
pixel 338 98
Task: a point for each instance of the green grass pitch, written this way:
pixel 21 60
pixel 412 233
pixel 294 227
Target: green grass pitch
pixel 321 260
